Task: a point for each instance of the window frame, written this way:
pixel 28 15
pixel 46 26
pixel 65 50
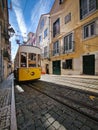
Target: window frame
pixel 23 59
pixel 67 64
pixel 56 48
pixel 88 26
pixel 40 38
pixel 67 18
pixel 42 23
pixel 45 51
pixel 68 41
pixel 45 33
pixel 87 8
pixel 56 27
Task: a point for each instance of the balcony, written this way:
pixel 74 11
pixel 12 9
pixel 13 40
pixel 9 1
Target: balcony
pixel 5 35
pixel 45 55
pixel 6 54
pixel 55 52
pixel 69 48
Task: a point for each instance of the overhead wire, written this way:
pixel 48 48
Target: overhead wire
pixel 35 14
pixel 31 5
pixel 42 3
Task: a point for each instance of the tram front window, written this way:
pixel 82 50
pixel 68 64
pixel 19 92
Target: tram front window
pixel 23 59
pixel 32 60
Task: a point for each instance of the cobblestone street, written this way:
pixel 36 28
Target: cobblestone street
pixel 5 104
pixel 40 105
pixel 36 111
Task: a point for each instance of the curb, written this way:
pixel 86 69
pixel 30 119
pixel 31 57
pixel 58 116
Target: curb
pixel 13 111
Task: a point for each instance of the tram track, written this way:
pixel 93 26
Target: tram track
pixel 75 105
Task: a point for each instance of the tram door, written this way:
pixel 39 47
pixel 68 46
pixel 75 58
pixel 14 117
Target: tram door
pixel 89 64
pixel 56 67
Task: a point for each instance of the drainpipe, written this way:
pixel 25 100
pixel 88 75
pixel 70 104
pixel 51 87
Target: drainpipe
pixel 0 55
pixel 1 59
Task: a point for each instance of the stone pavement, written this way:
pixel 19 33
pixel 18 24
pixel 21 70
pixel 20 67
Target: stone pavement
pixel 7 104
pixel 84 82
pixel 39 111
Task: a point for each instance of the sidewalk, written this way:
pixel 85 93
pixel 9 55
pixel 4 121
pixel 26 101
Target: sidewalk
pixel 7 104
pixel 82 76
pixel 83 82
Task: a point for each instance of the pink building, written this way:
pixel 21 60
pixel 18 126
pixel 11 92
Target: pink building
pixel 31 39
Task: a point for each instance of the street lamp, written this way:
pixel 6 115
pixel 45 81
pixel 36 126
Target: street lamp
pixel 18 42
pixel 11 31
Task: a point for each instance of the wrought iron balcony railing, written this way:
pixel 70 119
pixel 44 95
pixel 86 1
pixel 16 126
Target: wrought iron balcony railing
pixel 6 54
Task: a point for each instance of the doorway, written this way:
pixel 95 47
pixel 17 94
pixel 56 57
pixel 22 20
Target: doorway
pixel 89 64
pixel 47 68
pixel 57 67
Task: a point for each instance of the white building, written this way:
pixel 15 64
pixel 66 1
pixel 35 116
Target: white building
pixel 43 40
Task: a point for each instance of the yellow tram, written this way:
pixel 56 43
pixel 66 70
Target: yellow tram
pixel 27 63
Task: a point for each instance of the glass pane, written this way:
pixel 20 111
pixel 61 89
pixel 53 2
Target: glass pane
pixel 32 60
pixel 23 61
pixel 70 41
pixel 56 28
pixel 86 31
pixel 92 29
pixel 84 7
pixel 92 5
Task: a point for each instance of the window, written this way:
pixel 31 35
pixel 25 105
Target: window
pixel 45 51
pixel 42 24
pixel 68 43
pixel 0 33
pixel 32 60
pixel 45 33
pixel 40 39
pixel 56 48
pixel 89 30
pixel 39 59
pixel 86 7
pixel 56 27
pixel 23 59
pixel 32 56
pixel 67 64
pixel 2 4
pixel 67 18
pixel 61 1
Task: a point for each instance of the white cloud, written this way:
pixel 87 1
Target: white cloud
pixel 41 7
pixel 18 24
pixel 14 47
pixel 19 17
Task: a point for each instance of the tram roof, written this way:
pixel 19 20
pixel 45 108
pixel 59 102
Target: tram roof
pixel 29 49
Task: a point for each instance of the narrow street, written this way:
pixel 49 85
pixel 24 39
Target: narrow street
pixel 57 103
pixel 48 65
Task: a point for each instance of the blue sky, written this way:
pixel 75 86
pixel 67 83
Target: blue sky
pixel 24 17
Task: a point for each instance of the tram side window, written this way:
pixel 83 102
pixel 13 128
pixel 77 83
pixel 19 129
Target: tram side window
pixel 39 60
pixel 23 59
pixel 32 60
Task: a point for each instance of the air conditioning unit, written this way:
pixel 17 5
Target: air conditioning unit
pixel 61 1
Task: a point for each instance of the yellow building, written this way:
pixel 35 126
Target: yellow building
pixel 74 37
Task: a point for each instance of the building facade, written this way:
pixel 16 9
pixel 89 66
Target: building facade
pixel 74 37
pixel 5 45
pixel 31 40
pixel 43 40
